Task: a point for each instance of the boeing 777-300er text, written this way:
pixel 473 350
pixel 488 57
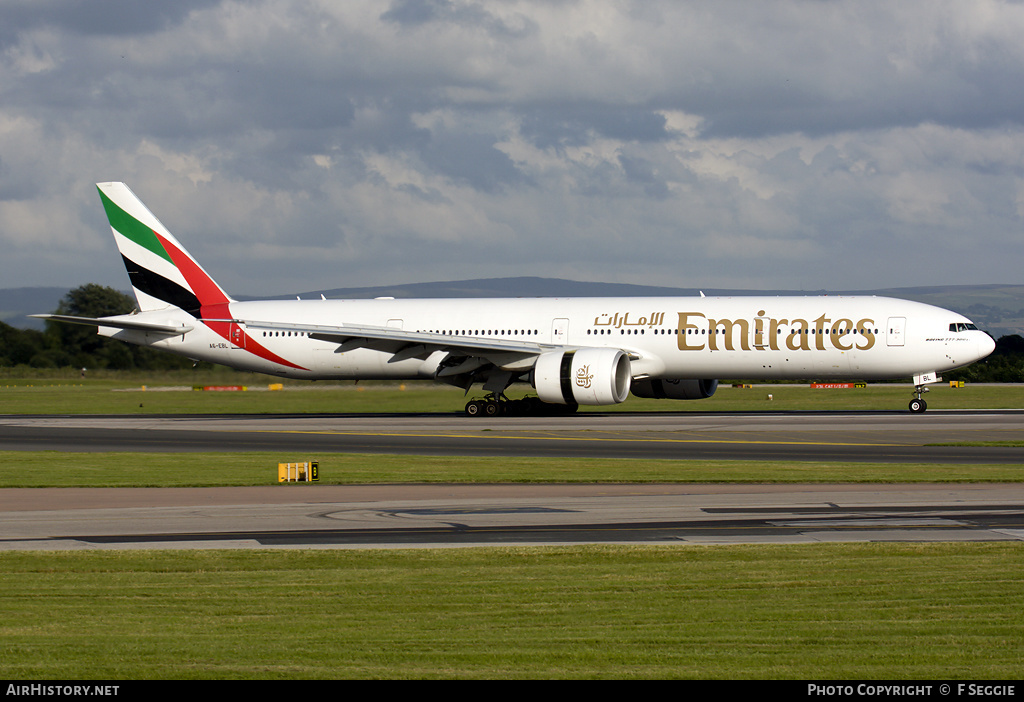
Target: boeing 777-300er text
pixel 573 351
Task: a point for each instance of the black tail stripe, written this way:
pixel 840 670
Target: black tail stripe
pixel 157 286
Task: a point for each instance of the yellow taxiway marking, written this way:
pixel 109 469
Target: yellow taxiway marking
pixel 568 438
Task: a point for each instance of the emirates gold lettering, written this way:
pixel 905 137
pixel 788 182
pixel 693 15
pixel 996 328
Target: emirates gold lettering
pixel 841 329
pixel 697 332
pixel 819 332
pixel 759 340
pixel 727 327
pixel 685 328
pixel 774 331
pixel 798 333
pixel 867 333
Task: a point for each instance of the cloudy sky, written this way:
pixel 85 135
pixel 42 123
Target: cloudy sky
pixel 298 145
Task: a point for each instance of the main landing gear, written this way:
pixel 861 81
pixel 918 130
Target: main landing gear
pixel 499 405
pixel 491 406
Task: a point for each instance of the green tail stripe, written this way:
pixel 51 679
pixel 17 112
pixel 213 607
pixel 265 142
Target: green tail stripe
pixel 132 228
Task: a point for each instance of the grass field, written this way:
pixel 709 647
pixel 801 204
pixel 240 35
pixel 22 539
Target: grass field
pixel 841 611
pixel 829 611
pixel 128 393
pixel 59 469
pixel 171 393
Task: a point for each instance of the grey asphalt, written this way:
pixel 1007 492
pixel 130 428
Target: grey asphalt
pixel 332 516
pixel 870 436
pixel 410 516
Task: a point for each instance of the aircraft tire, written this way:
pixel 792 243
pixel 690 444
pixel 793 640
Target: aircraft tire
pixel 918 406
pixel 473 408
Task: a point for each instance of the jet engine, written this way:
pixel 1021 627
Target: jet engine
pixel 674 389
pixel 588 376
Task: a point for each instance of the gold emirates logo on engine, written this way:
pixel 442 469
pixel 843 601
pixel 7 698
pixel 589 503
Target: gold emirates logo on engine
pixel 698 331
pixel 584 376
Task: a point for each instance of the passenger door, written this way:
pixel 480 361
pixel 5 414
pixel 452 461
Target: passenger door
pixel 896 328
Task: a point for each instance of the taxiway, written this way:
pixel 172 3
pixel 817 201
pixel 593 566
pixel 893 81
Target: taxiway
pixel 408 516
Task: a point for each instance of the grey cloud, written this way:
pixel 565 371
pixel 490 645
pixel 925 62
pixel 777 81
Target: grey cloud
pixel 416 13
pixel 749 143
pixel 95 17
pixel 471 159
pixel 571 125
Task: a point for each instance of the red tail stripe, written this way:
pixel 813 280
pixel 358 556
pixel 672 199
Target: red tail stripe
pixel 208 292
pixel 214 303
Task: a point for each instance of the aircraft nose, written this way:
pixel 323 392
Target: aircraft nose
pixel 986 345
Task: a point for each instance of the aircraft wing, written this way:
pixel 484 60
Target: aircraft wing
pixel 504 353
pixel 119 322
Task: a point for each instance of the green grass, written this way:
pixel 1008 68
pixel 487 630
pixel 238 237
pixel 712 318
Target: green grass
pixel 1011 444
pixel 123 393
pixel 829 611
pixel 840 611
pixel 59 469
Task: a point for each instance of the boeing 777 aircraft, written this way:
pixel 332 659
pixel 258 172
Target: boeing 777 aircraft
pixel 573 351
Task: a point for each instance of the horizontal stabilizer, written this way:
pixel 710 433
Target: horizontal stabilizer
pixel 118 323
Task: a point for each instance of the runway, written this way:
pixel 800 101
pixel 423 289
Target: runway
pixel 795 436
pixel 332 516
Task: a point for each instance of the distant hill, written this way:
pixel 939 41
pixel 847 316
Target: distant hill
pixel 15 303
pixel 999 309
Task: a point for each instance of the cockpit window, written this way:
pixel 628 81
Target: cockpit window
pixel 962 326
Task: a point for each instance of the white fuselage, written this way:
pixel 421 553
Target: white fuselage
pixel 674 338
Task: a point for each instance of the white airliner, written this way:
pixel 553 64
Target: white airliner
pixel 573 351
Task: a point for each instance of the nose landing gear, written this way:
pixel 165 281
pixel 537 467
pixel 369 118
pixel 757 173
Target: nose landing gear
pixel 918 405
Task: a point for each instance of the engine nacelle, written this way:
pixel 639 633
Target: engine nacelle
pixel 674 389
pixel 588 376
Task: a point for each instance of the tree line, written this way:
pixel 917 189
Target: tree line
pixel 1004 365
pixel 76 346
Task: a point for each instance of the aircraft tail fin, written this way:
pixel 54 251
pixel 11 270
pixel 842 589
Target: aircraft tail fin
pixel 161 271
